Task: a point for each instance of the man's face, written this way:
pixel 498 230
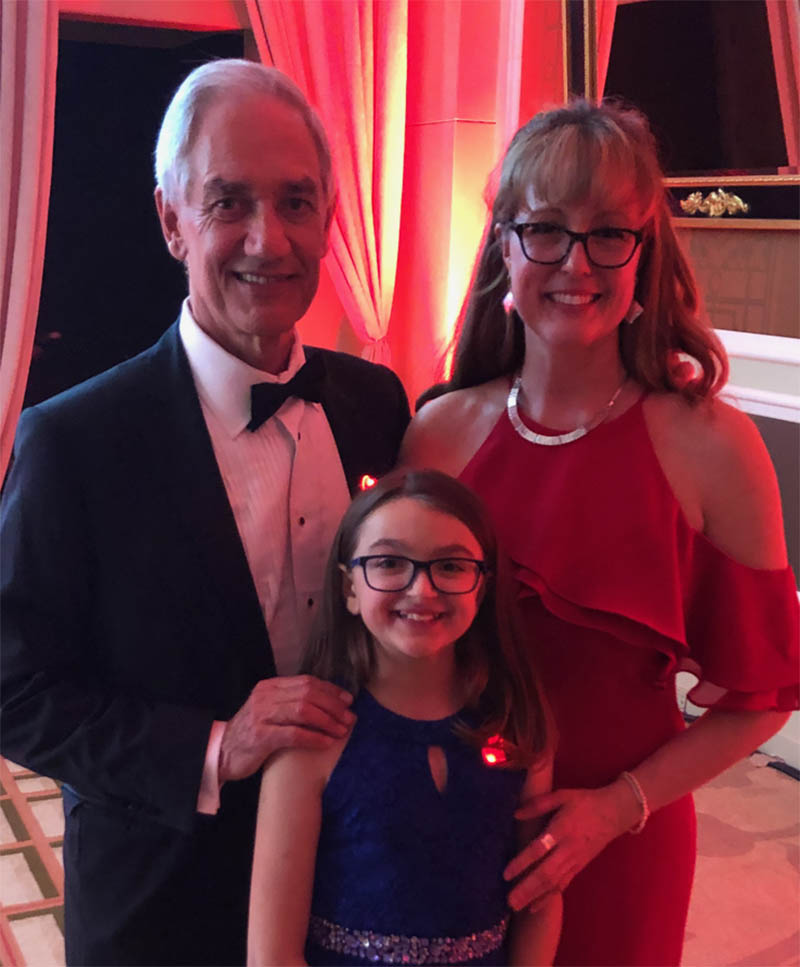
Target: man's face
pixel 252 226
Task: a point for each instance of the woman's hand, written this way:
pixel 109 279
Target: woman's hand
pixel 583 823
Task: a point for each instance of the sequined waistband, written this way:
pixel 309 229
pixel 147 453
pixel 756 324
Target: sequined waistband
pixel 383 948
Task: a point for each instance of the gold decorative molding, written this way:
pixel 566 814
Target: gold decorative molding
pixel 715 204
pixel 750 224
pixel 579 19
pixel 590 50
pixel 707 181
pixel 565 49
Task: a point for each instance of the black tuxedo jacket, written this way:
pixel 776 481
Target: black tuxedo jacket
pixel 130 623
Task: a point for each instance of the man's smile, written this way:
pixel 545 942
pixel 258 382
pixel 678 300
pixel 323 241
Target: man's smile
pixel 253 278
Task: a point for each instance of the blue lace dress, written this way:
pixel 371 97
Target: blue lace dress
pixel 406 874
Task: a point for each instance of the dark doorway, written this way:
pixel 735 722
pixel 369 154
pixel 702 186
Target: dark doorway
pixel 702 71
pixel 109 288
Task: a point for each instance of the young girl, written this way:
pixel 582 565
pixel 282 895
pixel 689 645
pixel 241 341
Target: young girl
pixel 389 846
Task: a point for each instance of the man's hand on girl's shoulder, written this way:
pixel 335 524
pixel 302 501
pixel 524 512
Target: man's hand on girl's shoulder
pixel 297 711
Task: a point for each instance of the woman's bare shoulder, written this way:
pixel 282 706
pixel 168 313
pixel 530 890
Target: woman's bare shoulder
pixel 715 453
pixel 447 431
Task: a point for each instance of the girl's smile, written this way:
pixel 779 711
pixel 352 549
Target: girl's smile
pixel 418 622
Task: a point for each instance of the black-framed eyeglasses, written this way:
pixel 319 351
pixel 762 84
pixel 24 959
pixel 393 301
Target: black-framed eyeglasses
pixel 394 572
pixel 547 243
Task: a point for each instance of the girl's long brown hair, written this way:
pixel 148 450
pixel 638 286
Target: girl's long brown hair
pixel 501 683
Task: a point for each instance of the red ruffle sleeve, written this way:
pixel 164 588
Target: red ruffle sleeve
pixel 595 530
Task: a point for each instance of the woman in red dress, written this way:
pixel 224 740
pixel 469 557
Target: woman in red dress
pixel 641 515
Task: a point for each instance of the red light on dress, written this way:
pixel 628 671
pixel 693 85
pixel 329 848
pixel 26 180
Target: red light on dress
pixel 367 482
pixel 493 752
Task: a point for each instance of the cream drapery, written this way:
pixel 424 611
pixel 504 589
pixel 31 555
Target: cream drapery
pixel 606 13
pixel 350 59
pixel 784 31
pixel 28 55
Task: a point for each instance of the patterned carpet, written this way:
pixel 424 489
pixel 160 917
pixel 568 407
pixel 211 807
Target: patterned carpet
pixel 744 910
pixel 31 874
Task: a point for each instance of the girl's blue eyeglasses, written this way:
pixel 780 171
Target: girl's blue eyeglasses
pixel 393 572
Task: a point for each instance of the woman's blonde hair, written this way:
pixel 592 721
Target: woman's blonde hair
pixel 606 154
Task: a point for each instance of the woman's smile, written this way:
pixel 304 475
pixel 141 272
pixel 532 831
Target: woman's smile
pixel 572 300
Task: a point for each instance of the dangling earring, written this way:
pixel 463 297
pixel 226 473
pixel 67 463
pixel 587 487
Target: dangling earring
pixel 508 302
pixel 633 313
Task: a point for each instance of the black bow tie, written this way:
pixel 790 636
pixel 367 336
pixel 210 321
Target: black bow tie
pixel 267 398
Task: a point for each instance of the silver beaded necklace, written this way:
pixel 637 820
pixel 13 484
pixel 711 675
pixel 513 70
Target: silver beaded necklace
pixel 554 441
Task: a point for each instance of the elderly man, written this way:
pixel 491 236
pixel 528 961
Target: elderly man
pixel 165 527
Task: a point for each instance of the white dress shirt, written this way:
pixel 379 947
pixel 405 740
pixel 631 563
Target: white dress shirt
pixel 285 484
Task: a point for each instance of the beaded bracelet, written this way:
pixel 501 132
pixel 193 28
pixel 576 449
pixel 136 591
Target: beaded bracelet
pixel 637 790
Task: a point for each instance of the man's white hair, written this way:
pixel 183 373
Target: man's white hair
pixel 207 84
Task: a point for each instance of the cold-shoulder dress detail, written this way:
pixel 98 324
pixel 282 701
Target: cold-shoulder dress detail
pixel 620 593
pixel 406 873
pixel 594 529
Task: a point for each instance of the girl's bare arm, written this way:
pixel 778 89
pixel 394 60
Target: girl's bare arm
pixel 287 832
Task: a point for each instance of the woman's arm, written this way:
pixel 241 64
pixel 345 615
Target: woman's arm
pixel 585 821
pixel 535 932
pixel 287 831
pixel 732 484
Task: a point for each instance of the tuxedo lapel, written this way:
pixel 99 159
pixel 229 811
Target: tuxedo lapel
pixel 168 434
pixel 197 508
pixel 362 440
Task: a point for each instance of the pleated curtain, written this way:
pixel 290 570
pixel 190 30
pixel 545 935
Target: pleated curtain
pixel 28 55
pixel 784 31
pixel 350 59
